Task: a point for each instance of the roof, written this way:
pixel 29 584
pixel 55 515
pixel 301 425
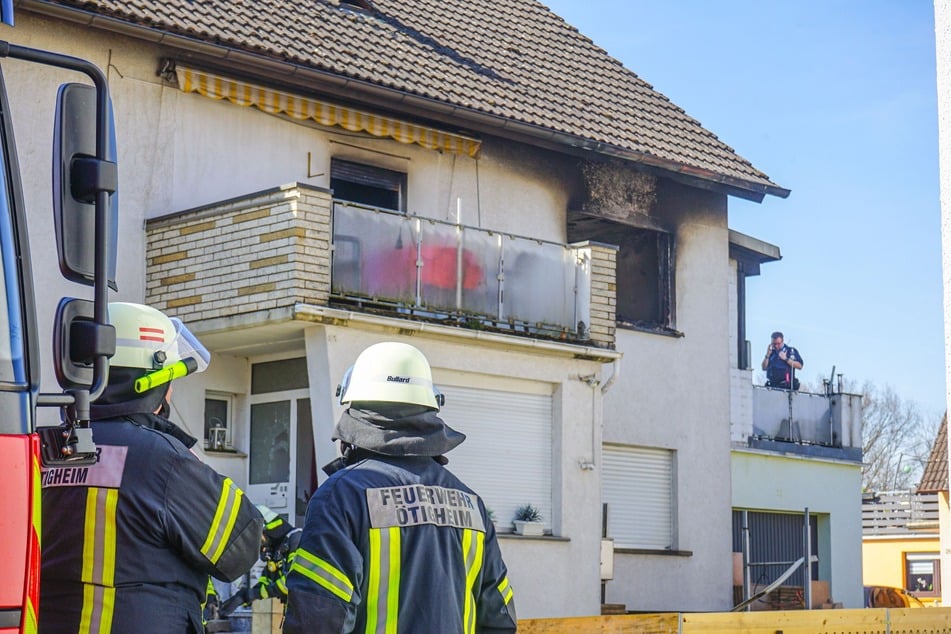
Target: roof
pixel 509 63
pixel 935 476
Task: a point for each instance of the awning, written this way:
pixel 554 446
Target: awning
pixel 272 101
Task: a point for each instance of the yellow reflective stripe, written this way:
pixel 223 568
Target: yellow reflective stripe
pixel 37 502
pixel 226 514
pixel 277 521
pixel 29 623
pixel 383 586
pixel 99 560
pixel 505 590
pixel 323 573
pixel 472 548
pixel 393 594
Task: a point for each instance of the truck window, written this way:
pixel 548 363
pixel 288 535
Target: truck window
pixel 11 344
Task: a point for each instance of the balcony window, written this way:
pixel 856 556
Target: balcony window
pixel 368 185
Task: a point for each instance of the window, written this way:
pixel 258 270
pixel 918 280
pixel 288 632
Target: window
pixel 645 269
pixel 645 279
pixel 638 489
pixel 507 455
pixel 368 185
pixel 923 574
pixel 218 426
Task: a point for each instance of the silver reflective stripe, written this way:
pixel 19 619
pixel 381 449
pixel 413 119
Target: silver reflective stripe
pixel 418 504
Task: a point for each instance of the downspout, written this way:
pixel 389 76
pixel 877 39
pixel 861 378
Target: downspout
pixel 593 382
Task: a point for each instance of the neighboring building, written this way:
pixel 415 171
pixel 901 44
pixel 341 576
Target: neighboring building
pixel 934 480
pixel 796 458
pixel 480 180
pixel 901 543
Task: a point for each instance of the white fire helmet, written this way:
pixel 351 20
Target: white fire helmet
pixel 390 372
pixel 146 338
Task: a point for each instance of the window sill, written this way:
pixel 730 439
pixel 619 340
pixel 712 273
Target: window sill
pixel 654 551
pixel 653 330
pixel 225 453
pixel 543 538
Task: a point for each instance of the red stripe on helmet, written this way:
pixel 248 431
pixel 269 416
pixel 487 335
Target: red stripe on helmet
pixel 151 334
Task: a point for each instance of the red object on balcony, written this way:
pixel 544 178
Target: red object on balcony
pixel 388 272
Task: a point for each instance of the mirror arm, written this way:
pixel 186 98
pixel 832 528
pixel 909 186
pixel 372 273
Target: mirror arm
pixel 101 288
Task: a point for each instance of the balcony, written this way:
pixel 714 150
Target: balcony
pixel 816 425
pixel 436 270
pixel 253 259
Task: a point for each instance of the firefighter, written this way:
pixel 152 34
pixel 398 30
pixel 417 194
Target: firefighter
pixel 129 543
pixel 392 541
pixel 278 544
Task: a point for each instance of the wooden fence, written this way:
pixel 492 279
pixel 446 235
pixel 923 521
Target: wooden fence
pixel 865 621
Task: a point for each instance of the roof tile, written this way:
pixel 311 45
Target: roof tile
pixel 515 60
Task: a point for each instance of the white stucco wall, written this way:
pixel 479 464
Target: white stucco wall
pixel 674 393
pixel 942 10
pixel 829 489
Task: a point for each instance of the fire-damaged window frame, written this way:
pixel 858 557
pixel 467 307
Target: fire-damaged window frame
pixel 660 268
pixel 622 233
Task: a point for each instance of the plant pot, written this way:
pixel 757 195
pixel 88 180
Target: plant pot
pixel 529 528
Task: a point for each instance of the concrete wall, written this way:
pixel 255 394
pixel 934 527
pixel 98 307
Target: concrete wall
pixel 942 10
pixel 830 490
pixel 674 393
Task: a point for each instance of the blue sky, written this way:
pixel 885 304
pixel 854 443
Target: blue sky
pixel 836 101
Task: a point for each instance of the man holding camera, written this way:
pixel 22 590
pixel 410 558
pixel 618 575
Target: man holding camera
pixel 780 363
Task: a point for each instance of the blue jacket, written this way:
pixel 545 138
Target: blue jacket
pixel 129 543
pixel 398 544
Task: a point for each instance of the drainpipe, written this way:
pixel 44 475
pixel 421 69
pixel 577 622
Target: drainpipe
pixel 607 384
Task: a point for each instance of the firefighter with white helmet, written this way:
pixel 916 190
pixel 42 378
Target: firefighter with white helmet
pixel 150 521
pixel 393 541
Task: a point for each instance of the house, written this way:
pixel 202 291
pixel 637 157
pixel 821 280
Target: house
pixel 934 481
pixel 901 543
pixel 796 462
pixel 302 179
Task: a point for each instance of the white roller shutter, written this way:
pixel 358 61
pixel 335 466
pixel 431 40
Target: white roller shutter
pixel 638 488
pixel 506 457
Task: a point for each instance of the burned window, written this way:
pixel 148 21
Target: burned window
pixel 645 269
pixel 644 278
pixel 368 185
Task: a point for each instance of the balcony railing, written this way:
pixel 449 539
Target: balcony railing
pixel 437 269
pixel 891 512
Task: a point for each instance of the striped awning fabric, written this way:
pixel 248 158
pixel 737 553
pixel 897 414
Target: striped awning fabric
pixel 272 101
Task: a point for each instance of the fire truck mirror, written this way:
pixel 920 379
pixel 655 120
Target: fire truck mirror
pixel 79 178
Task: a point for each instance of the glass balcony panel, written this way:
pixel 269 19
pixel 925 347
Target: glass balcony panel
pixel 388 257
pixel 374 255
pixel 539 285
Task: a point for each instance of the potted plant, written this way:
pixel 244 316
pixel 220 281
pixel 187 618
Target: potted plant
pixel 528 521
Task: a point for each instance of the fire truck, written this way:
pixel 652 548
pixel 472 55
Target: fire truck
pixel 84 201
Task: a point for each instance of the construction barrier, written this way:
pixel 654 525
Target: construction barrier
pixel 864 621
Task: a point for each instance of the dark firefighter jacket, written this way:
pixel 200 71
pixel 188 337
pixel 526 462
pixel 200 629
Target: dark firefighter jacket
pixel 398 545
pixel 129 542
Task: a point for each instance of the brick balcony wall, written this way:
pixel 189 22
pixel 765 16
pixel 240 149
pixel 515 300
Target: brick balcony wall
pixel 257 253
pixel 603 293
